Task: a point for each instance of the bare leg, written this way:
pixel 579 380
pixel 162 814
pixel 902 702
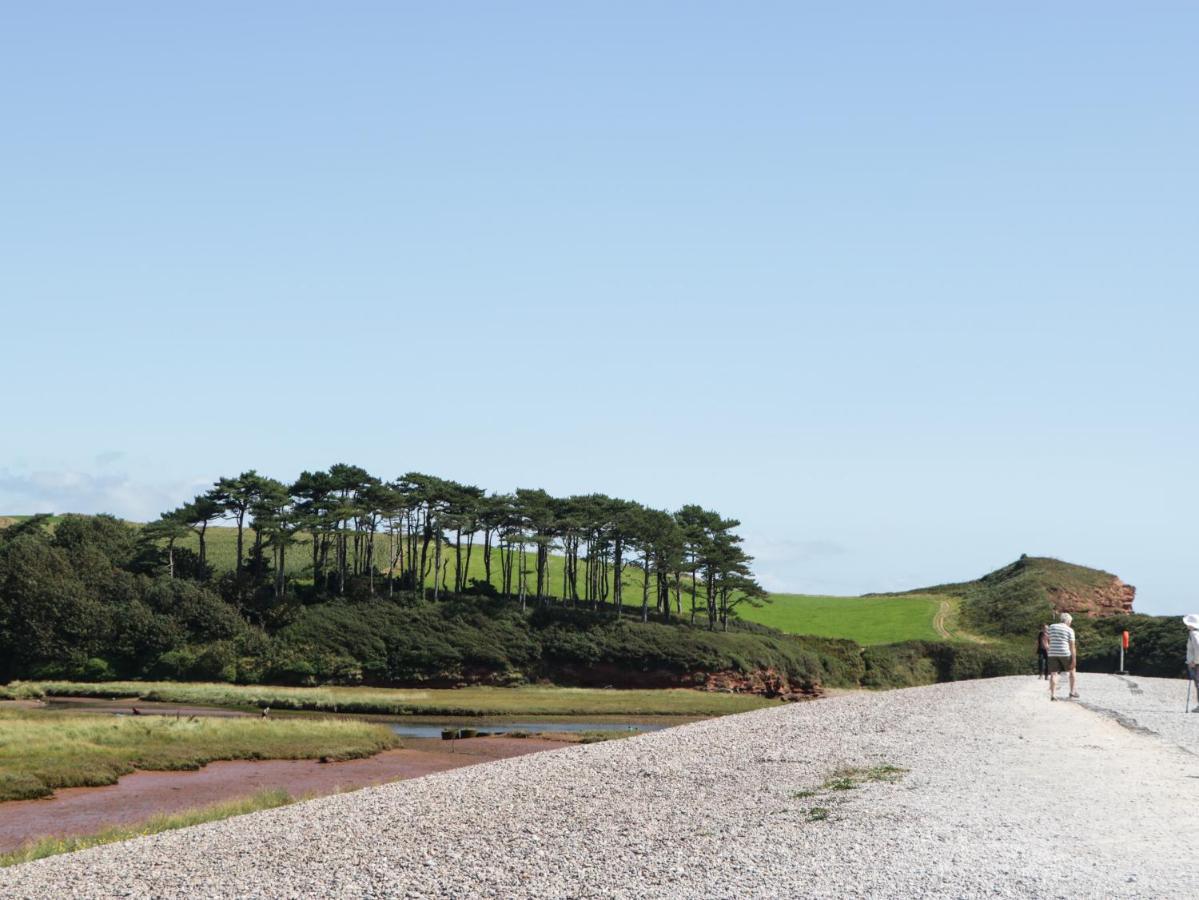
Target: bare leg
pixel 1073 692
pixel 1052 683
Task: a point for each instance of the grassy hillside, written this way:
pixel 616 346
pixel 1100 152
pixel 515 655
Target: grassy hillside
pixel 1015 600
pixel 1010 602
pixel 1041 571
pixel 867 620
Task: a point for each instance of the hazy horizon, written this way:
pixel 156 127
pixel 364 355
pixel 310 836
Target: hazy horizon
pixel 908 290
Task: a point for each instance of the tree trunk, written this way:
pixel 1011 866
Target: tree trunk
pixel 341 560
pixel 437 566
pixel 521 575
pixel 617 566
pixel 541 552
pixel 664 594
pixel 487 555
pixel 280 578
pixel 241 516
pixel 588 578
pixel 458 561
pixel 470 545
pixel 424 549
pixel 370 562
pixel 693 593
pixel 645 590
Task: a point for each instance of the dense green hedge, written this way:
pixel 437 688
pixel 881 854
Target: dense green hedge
pixel 1157 644
pixel 913 663
pixel 465 638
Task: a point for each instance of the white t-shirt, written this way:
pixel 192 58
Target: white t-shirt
pixel 1193 648
pixel 1061 636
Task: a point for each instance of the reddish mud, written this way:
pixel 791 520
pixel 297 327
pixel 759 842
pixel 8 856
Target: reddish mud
pixel 142 795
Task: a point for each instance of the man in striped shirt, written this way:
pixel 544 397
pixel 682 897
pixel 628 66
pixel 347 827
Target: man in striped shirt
pixel 1063 653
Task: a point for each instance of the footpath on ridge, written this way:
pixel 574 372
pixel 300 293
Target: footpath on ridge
pixel 972 789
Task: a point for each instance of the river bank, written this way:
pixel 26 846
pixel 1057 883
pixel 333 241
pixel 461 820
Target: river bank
pixel 779 802
pixel 141 795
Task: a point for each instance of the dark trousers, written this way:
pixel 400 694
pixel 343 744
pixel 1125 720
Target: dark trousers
pixel 1043 663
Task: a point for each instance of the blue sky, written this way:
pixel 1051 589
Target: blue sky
pixel 909 289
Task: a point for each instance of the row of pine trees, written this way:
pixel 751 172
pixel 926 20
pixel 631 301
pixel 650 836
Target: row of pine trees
pixel 423 531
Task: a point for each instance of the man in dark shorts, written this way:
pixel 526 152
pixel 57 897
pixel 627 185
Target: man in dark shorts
pixel 1063 654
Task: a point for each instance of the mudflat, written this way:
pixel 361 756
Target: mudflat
pixel 141 795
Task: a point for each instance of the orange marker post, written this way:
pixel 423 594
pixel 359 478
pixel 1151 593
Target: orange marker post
pixel 1123 647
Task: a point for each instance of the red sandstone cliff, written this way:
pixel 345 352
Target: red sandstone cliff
pixel 1111 599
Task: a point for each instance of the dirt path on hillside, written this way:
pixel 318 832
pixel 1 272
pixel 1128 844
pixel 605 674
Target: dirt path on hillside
pixel 941 626
pixel 142 795
pixel 939 620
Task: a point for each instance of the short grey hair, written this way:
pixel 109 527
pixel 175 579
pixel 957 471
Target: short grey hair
pixel 1066 618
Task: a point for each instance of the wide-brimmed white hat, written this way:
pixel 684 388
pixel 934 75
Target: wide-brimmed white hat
pixel 1191 621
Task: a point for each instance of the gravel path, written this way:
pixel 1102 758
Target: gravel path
pixel 1151 704
pixel 1005 795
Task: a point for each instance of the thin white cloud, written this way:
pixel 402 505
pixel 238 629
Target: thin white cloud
pixel 63 491
pixel 775 551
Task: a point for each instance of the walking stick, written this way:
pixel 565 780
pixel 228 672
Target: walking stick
pixel 1187 708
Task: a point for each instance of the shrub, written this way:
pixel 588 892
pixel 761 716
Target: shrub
pixel 96 669
pixel 913 663
pixel 1157 644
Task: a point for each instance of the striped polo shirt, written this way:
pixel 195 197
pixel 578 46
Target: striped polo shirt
pixel 1060 636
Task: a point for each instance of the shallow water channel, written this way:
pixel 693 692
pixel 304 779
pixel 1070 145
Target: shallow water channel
pixel 404 726
pixel 433 728
pixel 142 794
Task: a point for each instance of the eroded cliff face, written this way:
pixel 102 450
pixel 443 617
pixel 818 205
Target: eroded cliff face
pixel 767 682
pixel 1110 600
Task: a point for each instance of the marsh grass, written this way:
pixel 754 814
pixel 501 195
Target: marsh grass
pixel 50 846
pixel 466 701
pixel 41 751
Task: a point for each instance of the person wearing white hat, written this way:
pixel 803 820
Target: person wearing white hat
pixel 1192 624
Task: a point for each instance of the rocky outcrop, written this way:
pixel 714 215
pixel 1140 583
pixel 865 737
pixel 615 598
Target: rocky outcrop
pixel 1112 599
pixel 766 682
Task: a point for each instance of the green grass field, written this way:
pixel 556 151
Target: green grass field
pixel 41 751
pixel 867 620
pixel 466 701
pixel 221 550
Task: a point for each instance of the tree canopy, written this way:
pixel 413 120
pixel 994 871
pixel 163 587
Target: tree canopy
pixel 420 532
